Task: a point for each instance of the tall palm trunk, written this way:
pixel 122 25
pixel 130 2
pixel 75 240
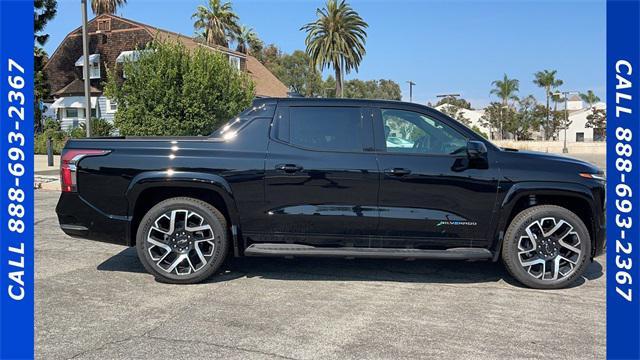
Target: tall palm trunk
pixel 546 125
pixel 338 70
pixel 504 118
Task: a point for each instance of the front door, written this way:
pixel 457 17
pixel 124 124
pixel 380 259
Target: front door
pixel 321 183
pixel 430 196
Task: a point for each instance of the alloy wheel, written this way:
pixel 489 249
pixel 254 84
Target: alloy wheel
pixel 550 249
pixel 180 242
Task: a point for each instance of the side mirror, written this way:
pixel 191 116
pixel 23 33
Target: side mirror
pixel 476 149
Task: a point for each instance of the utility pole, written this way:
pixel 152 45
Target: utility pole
pixel 566 116
pixel 566 124
pixel 85 68
pixel 411 84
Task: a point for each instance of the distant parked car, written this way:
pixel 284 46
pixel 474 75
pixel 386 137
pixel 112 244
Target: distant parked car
pixel 317 177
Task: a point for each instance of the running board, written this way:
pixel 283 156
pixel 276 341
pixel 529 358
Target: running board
pixel 372 253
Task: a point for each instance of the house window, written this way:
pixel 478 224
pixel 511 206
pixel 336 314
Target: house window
pixel 235 62
pixel 71 113
pixel 94 66
pixel 129 56
pixel 112 106
pixel 94 71
pixel 77 113
pixel 580 137
pixel 104 25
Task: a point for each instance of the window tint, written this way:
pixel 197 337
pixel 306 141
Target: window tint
pixel 326 128
pixel 411 132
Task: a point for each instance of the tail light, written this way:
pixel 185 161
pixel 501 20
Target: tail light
pixel 68 166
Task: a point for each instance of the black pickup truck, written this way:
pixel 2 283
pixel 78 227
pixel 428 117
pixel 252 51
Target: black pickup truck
pixel 328 177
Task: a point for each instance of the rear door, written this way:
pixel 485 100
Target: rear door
pixel 321 177
pixel 430 195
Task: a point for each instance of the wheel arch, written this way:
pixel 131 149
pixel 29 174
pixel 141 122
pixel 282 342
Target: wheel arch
pixel 574 197
pixel 149 188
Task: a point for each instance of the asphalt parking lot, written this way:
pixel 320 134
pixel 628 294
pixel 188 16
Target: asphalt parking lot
pixel 94 301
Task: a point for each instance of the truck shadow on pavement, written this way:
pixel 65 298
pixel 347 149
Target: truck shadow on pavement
pixel 327 269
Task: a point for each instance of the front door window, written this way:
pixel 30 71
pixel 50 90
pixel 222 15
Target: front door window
pixel 411 132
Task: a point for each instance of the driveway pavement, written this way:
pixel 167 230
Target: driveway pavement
pixel 94 301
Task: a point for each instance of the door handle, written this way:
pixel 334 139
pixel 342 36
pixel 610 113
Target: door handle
pixel 397 171
pixel 288 168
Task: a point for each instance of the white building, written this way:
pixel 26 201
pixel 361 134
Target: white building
pixel 577 131
pixel 473 116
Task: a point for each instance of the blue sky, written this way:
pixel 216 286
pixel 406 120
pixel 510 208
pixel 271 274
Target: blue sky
pixel 443 46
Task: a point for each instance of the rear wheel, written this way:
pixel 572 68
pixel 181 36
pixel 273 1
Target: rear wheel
pixel 546 247
pixel 182 240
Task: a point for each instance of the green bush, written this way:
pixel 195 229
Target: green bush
pixel 51 129
pixel 58 137
pixel 170 90
pixel 479 132
pixel 99 127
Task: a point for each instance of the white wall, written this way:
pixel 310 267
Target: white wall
pixel 578 124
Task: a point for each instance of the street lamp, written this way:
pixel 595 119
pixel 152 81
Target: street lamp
pixel 447 95
pixel 411 84
pixel 566 116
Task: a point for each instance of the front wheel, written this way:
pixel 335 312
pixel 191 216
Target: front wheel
pixel 546 247
pixel 182 240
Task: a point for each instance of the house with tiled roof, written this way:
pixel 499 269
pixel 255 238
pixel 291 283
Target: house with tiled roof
pixel 112 39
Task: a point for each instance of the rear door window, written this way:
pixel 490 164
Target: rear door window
pixel 327 128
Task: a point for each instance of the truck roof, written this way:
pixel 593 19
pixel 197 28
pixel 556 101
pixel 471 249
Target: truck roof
pixel 336 102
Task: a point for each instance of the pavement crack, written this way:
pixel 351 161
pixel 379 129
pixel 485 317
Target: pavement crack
pixel 114 342
pixel 230 347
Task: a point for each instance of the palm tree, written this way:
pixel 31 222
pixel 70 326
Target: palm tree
pixel 590 98
pixel 246 39
pixel 336 39
pixel 506 90
pixel 547 79
pixel 217 21
pixel 100 7
pixel 558 118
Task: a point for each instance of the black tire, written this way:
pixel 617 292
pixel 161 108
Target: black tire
pixel 545 247
pixel 219 243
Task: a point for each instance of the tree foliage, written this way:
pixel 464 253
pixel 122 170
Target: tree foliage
pixel 247 41
pixel 527 119
pixel 100 7
pixel 173 91
pixel 597 119
pixel 43 12
pixel 505 89
pixel 590 98
pixel 547 80
pixel 296 71
pixel 336 39
pixel 455 101
pixel 372 89
pixel 217 22
pixel 456 113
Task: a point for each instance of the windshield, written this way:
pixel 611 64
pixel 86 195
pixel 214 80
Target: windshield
pixel 231 128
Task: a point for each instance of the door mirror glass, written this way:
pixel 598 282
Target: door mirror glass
pixel 476 149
